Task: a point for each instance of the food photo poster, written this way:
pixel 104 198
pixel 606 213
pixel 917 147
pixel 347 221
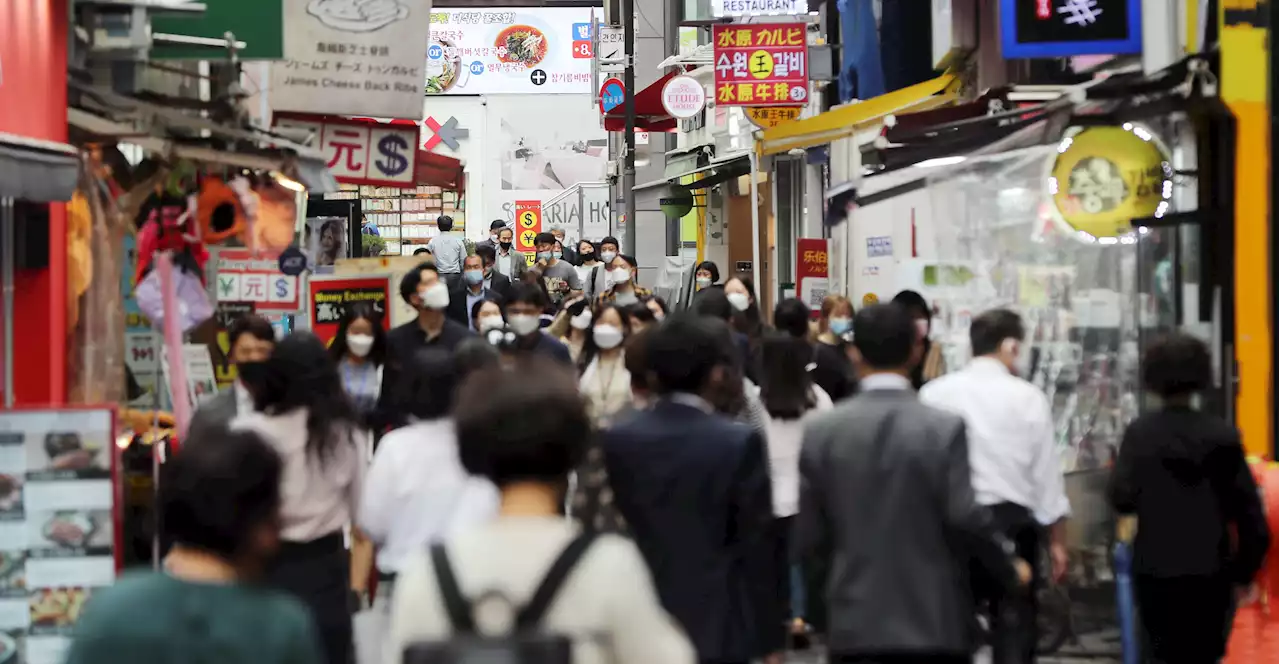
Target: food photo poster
pixel 510 50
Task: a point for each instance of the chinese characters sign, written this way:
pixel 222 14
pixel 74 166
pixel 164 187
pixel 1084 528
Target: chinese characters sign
pixel 517 50
pixel 811 272
pixel 1065 28
pixel 329 296
pixel 761 64
pixel 352 58
pixel 360 152
pixel 242 277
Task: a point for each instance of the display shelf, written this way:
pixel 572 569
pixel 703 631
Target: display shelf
pixel 405 217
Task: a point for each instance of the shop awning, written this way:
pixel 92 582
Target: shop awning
pixel 38 171
pixel 847 120
pixel 437 170
pixel 713 173
pixel 650 115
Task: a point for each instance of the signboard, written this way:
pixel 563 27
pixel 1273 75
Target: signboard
pixel 352 58
pixel 361 152
pixel 612 95
pixel 879 246
pixel 1105 177
pixel 509 50
pixel 202 380
pixel 768 117
pixel 811 272
pixel 240 276
pixel 761 64
pixel 328 297
pixel 59 526
pixel 1066 28
pixel 731 8
pixel 528 224
pixel 683 97
pixel 611 51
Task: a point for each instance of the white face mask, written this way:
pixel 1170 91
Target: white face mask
pixel 607 336
pixel 493 322
pixel 739 301
pixel 703 282
pixel 435 296
pixel 359 344
pixel 620 275
pixel 608 256
pixel 582 321
pixel 523 324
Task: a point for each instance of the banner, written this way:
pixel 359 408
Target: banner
pixel 329 296
pixel 364 151
pixel 761 64
pixel 528 224
pixel 812 282
pixel 510 50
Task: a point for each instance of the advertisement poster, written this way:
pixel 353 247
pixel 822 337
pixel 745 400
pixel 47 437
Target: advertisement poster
pixel 812 276
pixel 528 224
pixel 329 296
pixel 239 276
pixel 352 58
pixel 57 532
pixel 510 50
pixel 202 380
pixel 761 64
pixel 140 341
pixel 326 240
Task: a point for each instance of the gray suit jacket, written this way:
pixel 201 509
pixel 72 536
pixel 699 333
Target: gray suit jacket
pixel 886 494
pixel 213 414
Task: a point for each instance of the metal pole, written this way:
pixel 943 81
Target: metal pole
pixel 629 107
pixel 6 273
pixel 755 223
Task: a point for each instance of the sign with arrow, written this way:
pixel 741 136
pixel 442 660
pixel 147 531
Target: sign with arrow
pixel 448 133
pixel 611 51
pixel 612 95
pixel 528 224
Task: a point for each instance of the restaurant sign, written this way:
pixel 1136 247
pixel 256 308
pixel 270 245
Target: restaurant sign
pixel 761 64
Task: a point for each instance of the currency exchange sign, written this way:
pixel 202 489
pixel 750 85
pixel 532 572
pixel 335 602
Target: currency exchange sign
pixel 761 64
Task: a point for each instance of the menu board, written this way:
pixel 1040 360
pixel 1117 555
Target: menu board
pixel 57 534
pixel 510 50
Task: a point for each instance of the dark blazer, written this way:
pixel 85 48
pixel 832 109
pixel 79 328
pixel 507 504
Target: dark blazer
pixel 458 311
pixel 402 342
pixel 694 488
pixel 214 413
pixel 886 496
pixel 500 284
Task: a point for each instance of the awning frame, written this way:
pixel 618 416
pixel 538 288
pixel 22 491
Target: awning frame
pixel 724 169
pixel 37 170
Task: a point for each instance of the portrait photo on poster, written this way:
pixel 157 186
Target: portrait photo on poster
pixel 326 240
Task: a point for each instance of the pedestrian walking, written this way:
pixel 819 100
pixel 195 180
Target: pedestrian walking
pixel 360 349
pixel 448 250
pixel 251 340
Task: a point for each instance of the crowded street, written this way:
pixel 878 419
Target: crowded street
pixel 639 332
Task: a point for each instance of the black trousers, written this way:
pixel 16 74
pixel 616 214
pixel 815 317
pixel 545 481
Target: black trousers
pixel 1012 614
pixel 319 574
pixel 1185 620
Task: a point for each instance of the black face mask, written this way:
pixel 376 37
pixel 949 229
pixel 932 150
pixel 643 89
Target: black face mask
pixel 505 245
pixel 588 255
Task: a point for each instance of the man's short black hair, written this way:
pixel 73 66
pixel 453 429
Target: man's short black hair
pixel 609 239
pixel 526 293
pixel 714 303
pixel 413 278
pixel 497 224
pixel 544 238
pixel 420 251
pixel 885 335
pixel 1177 364
pixel 792 316
pixel 989 330
pixel 488 255
pixel 252 324
pixel 914 302
pixel 685 350
pixel 518 430
pixel 445 223
pixel 223 486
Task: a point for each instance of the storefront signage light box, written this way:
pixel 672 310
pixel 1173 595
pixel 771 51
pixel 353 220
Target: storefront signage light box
pixel 722 8
pixel 512 50
pixel 761 64
pixel 1066 28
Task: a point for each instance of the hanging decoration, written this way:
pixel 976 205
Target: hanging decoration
pixel 220 211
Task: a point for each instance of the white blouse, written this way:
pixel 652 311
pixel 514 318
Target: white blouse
pixel 607 386
pixel 783 438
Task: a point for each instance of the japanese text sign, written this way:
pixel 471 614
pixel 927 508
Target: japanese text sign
pixel 528 224
pixel 811 272
pixel 353 58
pixel 510 50
pixel 360 152
pixel 761 64
pixel 242 277
pixel 329 296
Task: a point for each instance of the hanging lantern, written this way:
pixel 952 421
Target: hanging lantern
pixel 219 211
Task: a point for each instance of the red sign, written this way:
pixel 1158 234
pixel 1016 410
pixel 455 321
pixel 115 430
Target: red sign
pixel 329 296
pixel 528 224
pixel 812 282
pixel 761 64
pixel 241 276
pixel 359 151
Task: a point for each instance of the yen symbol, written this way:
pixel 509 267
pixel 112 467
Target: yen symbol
pixel 538 77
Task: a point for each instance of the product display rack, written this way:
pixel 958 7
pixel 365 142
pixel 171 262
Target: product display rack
pixel 405 218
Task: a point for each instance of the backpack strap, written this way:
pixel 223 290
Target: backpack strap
pixel 457 606
pixel 531 613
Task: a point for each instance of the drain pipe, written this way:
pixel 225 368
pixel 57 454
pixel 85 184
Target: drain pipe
pixel 755 223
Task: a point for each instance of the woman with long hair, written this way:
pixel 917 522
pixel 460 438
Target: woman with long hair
pixel 360 349
pixel 606 386
pixel 833 366
pixel 741 291
pixel 306 416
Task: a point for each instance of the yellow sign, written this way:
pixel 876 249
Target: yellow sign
pixel 530 259
pixel 870 299
pixel 1105 177
pixel 527 238
pixel 529 219
pixel 768 117
pixel 761 64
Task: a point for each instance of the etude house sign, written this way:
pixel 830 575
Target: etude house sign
pixel 353 58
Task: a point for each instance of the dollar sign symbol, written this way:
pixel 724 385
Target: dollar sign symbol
pixel 393 162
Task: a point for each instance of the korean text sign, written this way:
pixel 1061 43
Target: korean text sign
pixel 761 64
pixel 811 272
pixel 365 152
pixel 242 277
pixel 512 50
pixel 329 296
pixel 352 58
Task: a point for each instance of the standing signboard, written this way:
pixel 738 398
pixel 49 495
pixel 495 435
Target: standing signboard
pixel 761 64
pixel 364 152
pixel 812 281
pixel 242 277
pixel 528 224
pixel 328 297
pixel 352 58
pixel 59 528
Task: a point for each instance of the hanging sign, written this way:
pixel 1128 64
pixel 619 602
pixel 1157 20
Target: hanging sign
pixel 242 277
pixel 760 64
pixel 528 224
pixel 722 8
pixel 1066 28
pixel 1105 177
pixel 811 272
pixel 328 297
pixel 364 151
pixel 612 95
pixel 353 58
pixel 768 117
pixel 683 97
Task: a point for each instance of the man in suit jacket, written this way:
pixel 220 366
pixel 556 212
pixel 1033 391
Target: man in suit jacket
pixel 694 489
pixel 492 241
pixel 472 288
pixel 494 280
pixel 886 495
pixel 251 339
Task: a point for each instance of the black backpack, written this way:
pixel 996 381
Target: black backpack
pixel 524 644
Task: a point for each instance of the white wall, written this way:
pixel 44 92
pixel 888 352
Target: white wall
pixel 890 218
pixel 470 112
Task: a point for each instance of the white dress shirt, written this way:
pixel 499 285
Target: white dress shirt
pixel 1012 451
pixel 417 492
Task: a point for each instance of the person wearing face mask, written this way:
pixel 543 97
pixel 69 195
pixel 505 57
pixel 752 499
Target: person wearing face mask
pixel 487 315
pixel 833 368
pixel 524 319
pixel 606 387
pixel 624 291
pixel 251 339
pixel 507 261
pixel 424 290
pixel 448 249
pixel 558 275
pixel 1015 466
pixel 588 261
pixel 931 364
pixel 600 280
pixel 741 291
pixel 495 227
pixel 705 275
pixel 463 298
pixel 360 349
pixel 494 281
pixel 573 326
pixel 567 253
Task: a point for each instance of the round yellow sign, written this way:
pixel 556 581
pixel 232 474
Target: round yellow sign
pixel 1105 177
pixel 768 117
pixel 761 64
pixel 528 219
pixel 870 299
